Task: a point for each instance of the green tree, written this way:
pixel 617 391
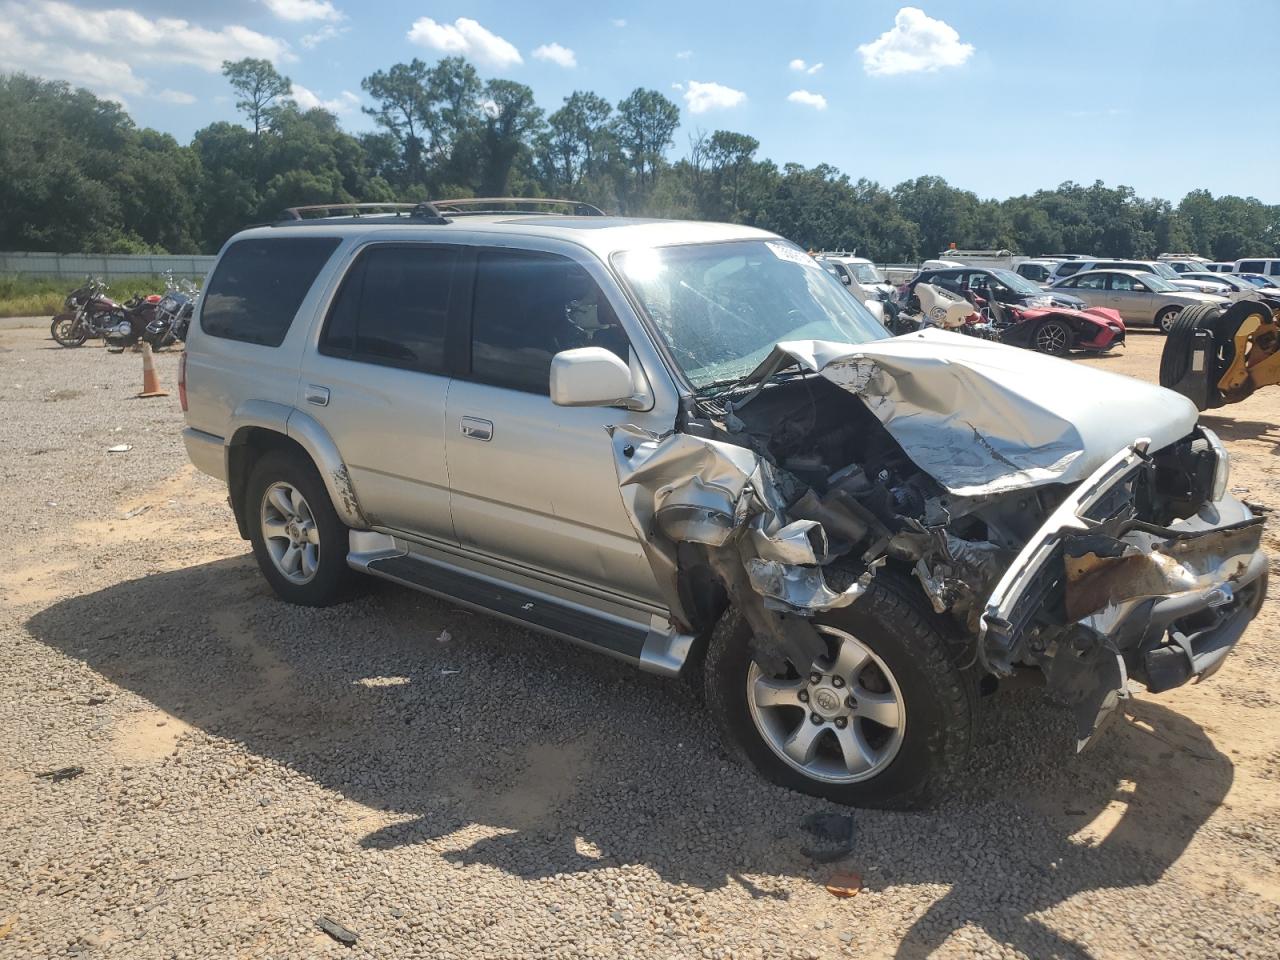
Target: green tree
pixel 259 85
pixel 645 125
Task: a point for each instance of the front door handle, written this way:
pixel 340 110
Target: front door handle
pixel 316 394
pixel 477 429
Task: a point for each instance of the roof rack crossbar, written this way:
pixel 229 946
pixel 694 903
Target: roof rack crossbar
pixel 476 206
pixel 423 211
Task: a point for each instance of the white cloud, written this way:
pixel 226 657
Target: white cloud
pixel 345 102
pixel 175 96
pixel 799 66
pixel 554 53
pixel 466 37
pixel 702 97
pixel 618 22
pixel 52 38
pixel 684 55
pixel 815 100
pixel 299 10
pixel 916 44
pixel 327 32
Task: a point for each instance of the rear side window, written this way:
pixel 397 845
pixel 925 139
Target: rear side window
pixel 258 285
pixel 393 307
pixel 1067 269
pixel 1252 266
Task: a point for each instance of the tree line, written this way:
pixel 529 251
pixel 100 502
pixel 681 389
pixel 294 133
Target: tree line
pixel 76 174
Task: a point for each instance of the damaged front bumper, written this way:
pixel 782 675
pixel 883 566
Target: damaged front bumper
pixel 1098 596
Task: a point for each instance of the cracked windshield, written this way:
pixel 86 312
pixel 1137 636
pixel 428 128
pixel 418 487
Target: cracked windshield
pixel 721 307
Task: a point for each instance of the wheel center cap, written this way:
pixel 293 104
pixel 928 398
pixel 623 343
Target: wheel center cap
pixel 827 701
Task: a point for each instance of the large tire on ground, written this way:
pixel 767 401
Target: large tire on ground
pixel 62 327
pixel 1165 318
pixel 298 540
pixel 1175 359
pixel 1053 337
pixel 885 720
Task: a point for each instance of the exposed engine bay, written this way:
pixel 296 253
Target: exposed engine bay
pixel 786 497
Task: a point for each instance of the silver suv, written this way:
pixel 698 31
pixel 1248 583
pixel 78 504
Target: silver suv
pixel 684 445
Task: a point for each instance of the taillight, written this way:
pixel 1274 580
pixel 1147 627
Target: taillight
pixel 182 380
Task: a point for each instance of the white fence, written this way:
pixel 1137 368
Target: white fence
pixel 109 266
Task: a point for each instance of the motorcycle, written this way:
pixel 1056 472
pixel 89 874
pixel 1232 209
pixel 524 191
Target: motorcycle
pixel 1051 330
pixel 173 314
pixel 90 314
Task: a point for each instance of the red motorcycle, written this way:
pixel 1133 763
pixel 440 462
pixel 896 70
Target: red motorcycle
pixel 89 314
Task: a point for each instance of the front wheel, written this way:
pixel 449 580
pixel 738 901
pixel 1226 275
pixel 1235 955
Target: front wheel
pixel 1053 337
pixel 1165 318
pixel 68 331
pixel 885 719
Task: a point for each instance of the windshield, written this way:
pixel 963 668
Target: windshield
pixel 1016 283
pixel 864 272
pixel 1164 270
pixel 1158 284
pixel 721 307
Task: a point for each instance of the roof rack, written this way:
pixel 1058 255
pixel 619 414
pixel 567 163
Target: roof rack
pixel 423 212
pixel 476 206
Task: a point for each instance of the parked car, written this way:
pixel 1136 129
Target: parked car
pixel 1219 267
pixel 858 274
pixel 1141 298
pixel 1267 267
pixel 1037 271
pixel 1183 262
pixel 1160 269
pixel 1270 285
pixel 685 445
pixel 1002 285
pixel 1238 288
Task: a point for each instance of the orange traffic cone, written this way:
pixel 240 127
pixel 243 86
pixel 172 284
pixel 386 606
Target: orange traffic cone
pixel 150 382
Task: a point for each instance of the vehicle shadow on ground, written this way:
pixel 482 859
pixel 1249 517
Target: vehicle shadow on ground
pixel 573 763
pixel 1229 428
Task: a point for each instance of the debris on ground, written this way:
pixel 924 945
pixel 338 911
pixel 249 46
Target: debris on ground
pixel 137 511
pixel 120 448
pixel 445 637
pixel 337 931
pixel 62 773
pixel 449 671
pixel 834 832
pixel 844 884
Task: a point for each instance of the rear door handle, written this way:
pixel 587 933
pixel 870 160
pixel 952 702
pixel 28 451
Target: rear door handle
pixel 477 429
pixel 316 394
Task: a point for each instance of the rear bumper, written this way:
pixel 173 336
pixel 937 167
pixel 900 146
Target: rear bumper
pixel 206 451
pixel 1096 603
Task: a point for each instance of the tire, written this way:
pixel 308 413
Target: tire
pixel 1164 319
pixel 61 330
pixel 1175 359
pixel 912 660
pixel 1053 337
pixel 329 580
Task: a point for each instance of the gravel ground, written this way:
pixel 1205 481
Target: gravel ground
pixel 445 785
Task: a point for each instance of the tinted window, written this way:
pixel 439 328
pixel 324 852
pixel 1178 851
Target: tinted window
pixel 1251 266
pixel 258 286
pixel 393 308
pixel 1067 269
pixel 528 307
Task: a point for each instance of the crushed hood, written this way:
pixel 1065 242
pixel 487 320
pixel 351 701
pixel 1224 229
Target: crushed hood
pixel 983 418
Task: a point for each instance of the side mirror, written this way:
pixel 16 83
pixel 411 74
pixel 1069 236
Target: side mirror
pixel 590 377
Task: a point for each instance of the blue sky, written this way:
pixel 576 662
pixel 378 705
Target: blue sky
pixel 999 98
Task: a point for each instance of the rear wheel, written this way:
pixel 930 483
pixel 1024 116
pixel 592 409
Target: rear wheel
pixel 1053 337
pixel 1175 359
pixel 884 719
pixel 1165 318
pixel 298 540
pixel 67 331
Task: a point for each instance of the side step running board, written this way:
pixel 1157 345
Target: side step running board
pixel 650 645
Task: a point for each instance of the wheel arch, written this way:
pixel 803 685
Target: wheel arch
pixel 260 426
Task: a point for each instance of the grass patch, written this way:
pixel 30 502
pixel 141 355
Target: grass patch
pixel 42 297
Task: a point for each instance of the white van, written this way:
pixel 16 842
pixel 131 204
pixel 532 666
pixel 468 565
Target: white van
pixel 1267 266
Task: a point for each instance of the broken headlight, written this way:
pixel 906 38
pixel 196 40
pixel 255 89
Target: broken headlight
pixel 1221 466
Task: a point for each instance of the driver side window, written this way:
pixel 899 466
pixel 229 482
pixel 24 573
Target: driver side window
pixel 529 306
pixel 1096 282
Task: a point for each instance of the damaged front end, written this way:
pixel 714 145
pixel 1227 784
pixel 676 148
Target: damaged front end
pixel 974 472
pixel 1122 580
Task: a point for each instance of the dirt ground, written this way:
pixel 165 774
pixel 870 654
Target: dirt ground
pixel 445 785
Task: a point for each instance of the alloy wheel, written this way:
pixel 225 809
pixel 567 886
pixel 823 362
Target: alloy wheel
pixel 290 533
pixel 842 722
